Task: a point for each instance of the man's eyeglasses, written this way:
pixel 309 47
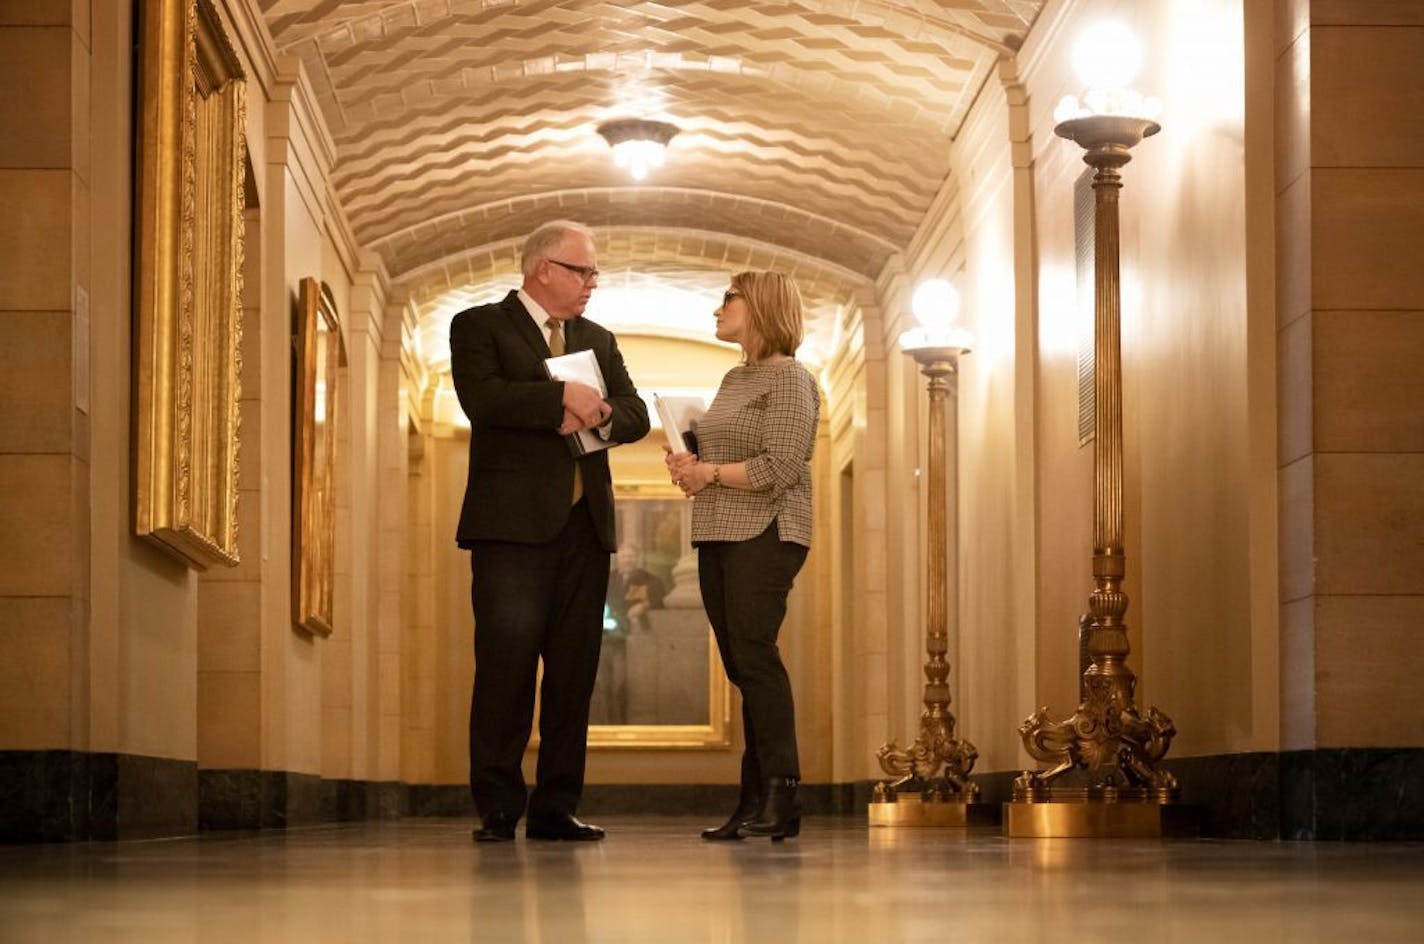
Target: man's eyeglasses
pixel 587 273
pixel 728 296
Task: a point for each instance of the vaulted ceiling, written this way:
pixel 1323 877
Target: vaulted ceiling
pixel 814 134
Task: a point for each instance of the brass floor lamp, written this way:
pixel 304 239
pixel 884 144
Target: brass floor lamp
pixel 930 785
pixel 1114 751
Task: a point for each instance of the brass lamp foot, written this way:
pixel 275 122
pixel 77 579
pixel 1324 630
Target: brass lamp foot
pixel 1067 819
pixel 917 810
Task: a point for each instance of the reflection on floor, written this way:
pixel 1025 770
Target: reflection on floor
pixel 654 880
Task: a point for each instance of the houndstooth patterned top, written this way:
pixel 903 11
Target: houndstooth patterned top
pixel 764 415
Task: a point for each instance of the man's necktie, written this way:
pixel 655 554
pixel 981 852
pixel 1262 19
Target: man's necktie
pixel 556 348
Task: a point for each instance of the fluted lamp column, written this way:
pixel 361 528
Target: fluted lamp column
pixel 1103 777
pixel 929 783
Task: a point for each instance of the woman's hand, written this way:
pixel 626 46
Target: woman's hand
pixel 676 462
pixel 695 477
pixel 682 469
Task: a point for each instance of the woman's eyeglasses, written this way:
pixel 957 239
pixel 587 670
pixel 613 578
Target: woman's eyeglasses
pixel 728 296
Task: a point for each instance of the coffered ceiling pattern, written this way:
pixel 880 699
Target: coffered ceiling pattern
pixel 813 133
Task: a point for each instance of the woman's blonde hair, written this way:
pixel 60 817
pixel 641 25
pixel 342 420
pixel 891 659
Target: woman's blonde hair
pixel 773 312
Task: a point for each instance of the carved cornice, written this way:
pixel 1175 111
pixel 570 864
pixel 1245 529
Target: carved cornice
pixel 254 41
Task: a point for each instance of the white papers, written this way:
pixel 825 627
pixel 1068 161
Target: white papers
pixel 580 367
pixel 679 417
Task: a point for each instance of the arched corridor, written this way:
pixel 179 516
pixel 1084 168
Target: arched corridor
pixel 291 644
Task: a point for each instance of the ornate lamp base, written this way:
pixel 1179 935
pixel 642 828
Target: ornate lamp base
pixel 1098 818
pixel 916 810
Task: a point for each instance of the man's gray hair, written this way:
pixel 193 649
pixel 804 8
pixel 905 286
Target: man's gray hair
pixel 543 240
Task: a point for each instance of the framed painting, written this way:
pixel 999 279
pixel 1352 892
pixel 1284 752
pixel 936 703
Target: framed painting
pixel 319 356
pixel 188 211
pixel 660 681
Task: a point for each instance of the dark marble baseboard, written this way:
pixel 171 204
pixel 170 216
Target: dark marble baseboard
pixel 69 796
pixel 347 800
pixel 230 799
pixel 1357 794
pixel 1240 795
pixel 654 799
pixel 291 799
pixel 1362 794
pixel 66 796
pixel 265 799
pixel 152 797
pixel 713 799
pixel 44 796
pixel 441 800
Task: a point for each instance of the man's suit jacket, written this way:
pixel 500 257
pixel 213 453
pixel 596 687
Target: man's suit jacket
pixel 521 470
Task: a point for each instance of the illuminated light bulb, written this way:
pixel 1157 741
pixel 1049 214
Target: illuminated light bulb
pixel 935 304
pixel 638 156
pixel 637 143
pixel 1107 56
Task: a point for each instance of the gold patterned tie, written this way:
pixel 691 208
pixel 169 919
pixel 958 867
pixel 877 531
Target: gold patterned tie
pixel 556 348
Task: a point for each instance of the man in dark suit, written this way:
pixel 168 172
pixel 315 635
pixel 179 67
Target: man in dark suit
pixel 539 526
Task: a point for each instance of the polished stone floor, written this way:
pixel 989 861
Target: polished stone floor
pixel 654 880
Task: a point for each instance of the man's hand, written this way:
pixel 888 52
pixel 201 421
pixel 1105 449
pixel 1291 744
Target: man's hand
pixel 584 402
pixel 571 424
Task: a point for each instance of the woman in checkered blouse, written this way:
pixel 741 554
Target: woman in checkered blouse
pixel 750 482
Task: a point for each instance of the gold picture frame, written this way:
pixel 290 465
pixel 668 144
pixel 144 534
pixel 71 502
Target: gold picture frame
pixel 188 210
pixel 648 513
pixel 319 356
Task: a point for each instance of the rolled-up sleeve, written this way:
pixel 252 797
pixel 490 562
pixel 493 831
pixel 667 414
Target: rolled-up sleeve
pixel 788 434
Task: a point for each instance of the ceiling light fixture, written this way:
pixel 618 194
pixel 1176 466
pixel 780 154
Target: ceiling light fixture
pixel 637 143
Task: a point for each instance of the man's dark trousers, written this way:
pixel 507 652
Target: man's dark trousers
pixel 534 601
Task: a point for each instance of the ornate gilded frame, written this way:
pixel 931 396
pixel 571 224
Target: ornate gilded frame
pixel 188 282
pixel 319 356
pixel 717 733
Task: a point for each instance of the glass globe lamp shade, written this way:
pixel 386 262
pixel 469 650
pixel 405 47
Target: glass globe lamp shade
pixel 936 306
pixel 1107 56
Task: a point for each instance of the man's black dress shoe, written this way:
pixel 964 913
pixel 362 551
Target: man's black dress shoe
pixel 565 828
pixel 497 827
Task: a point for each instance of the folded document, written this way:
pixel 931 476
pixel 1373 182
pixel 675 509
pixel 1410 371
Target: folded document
pixel 679 416
pixel 580 367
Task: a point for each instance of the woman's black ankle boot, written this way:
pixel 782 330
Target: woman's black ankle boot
pixel 780 814
pixel 746 811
